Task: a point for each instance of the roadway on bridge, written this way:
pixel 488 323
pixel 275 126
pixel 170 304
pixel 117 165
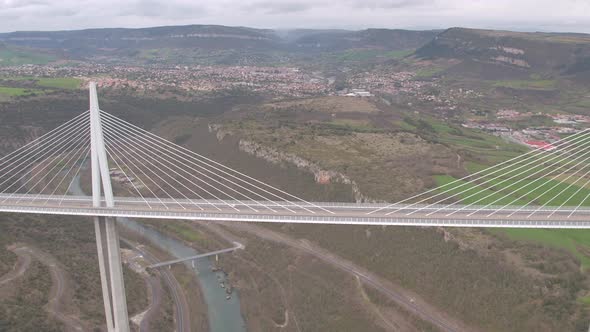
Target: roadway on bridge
pixel 296 212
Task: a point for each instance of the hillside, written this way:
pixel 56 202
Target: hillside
pixel 11 55
pixel 549 53
pixel 338 40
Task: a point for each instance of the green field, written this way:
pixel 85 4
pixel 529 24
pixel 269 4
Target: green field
pixel 509 187
pixel 428 72
pixel 475 142
pixel 59 82
pixel 572 240
pixel 38 86
pixel 10 57
pixel 355 125
pixel 14 92
pixel 527 84
pixel 368 54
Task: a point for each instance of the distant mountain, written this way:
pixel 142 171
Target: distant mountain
pixel 84 42
pixel 563 53
pixel 338 40
pixel 213 38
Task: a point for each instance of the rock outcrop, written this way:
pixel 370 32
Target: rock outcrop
pixel 275 156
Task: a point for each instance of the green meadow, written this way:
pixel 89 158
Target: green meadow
pixel 15 92
pixel 572 240
pixel 67 83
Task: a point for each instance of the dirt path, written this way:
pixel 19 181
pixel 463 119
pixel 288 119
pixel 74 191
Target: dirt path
pixel 22 264
pixel 402 297
pixel 58 293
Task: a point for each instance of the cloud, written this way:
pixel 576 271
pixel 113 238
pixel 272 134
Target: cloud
pixel 157 8
pixel 11 4
pixel 278 7
pixel 390 4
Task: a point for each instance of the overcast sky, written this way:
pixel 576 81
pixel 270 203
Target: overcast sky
pixel 529 15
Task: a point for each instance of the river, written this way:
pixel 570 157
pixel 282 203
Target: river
pixel 223 315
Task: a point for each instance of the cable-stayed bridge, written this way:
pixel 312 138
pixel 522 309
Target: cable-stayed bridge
pixel 134 173
pixel 154 178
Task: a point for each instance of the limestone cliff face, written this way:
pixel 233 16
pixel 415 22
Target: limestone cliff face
pixel 275 156
pixel 511 61
pixel 538 52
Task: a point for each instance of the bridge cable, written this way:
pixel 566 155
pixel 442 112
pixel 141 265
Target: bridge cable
pixel 518 181
pixel 79 151
pixel 209 177
pixel 116 147
pixel 561 192
pixel 548 181
pixel 182 184
pixel 47 142
pixel 75 176
pixel 536 161
pixel 126 176
pixel 532 162
pixel 65 142
pixel 165 152
pixel 54 156
pixel 165 143
pixel 462 180
pixel 35 142
pixel 80 161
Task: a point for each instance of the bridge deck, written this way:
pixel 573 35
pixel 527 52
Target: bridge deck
pixel 322 213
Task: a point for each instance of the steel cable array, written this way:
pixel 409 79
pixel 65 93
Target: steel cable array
pixel 512 186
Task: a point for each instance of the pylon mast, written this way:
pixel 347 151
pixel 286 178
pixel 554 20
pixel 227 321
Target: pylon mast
pixel 107 237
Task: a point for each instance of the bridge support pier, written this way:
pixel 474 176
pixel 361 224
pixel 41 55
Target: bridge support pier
pixel 111 274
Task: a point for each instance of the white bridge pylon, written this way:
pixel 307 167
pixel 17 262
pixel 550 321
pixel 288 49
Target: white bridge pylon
pixel 107 237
